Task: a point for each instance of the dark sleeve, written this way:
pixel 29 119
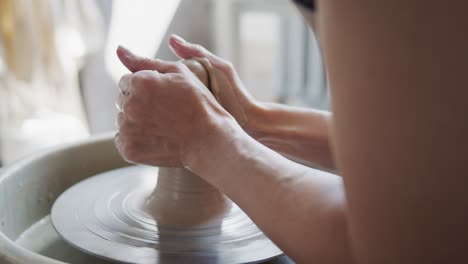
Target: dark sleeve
pixel 310 4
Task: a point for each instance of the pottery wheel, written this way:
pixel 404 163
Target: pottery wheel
pixel 115 215
pixel 141 214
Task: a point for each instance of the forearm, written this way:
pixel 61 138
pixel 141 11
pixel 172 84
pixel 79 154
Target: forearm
pixel 301 209
pixel 297 133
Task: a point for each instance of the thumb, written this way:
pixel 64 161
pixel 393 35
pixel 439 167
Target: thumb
pixel 187 50
pixel 184 49
pixel 136 63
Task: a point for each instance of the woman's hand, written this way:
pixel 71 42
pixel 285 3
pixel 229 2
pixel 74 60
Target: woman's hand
pixel 298 133
pixel 233 97
pixel 166 113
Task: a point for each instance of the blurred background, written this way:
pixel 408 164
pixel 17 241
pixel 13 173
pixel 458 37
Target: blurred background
pixel 59 72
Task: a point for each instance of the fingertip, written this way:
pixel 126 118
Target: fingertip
pixel 120 48
pixel 175 50
pixel 122 51
pixel 176 39
pixel 127 58
pixel 179 50
pixel 176 44
pixel 183 50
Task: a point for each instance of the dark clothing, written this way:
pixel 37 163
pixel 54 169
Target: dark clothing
pixel 310 4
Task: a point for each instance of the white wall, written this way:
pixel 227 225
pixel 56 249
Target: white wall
pixel 191 20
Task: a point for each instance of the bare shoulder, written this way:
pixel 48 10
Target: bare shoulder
pixel 398 77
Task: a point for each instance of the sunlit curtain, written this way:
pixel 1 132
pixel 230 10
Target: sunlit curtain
pixel 42 45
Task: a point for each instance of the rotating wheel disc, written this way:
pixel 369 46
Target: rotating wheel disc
pixel 105 216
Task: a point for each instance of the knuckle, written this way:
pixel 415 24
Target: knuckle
pixel 142 81
pixel 205 60
pixel 124 78
pixel 120 119
pixel 119 103
pixel 228 67
pixel 228 64
pixel 117 140
pixel 124 81
pixel 122 146
pixel 130 151
pixel 179 66
pixel 131 109
pixel 135 81
pixel 122 134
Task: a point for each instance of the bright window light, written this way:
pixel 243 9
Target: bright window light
pixel 139 25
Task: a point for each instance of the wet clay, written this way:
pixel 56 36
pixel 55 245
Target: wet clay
pixel 182 199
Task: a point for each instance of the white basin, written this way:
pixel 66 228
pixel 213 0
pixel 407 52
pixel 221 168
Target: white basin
pixel 28 189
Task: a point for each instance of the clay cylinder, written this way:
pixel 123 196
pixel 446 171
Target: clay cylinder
pixel 181 198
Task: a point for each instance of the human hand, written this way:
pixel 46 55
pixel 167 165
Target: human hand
pixel 166 113
pixel 228 89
